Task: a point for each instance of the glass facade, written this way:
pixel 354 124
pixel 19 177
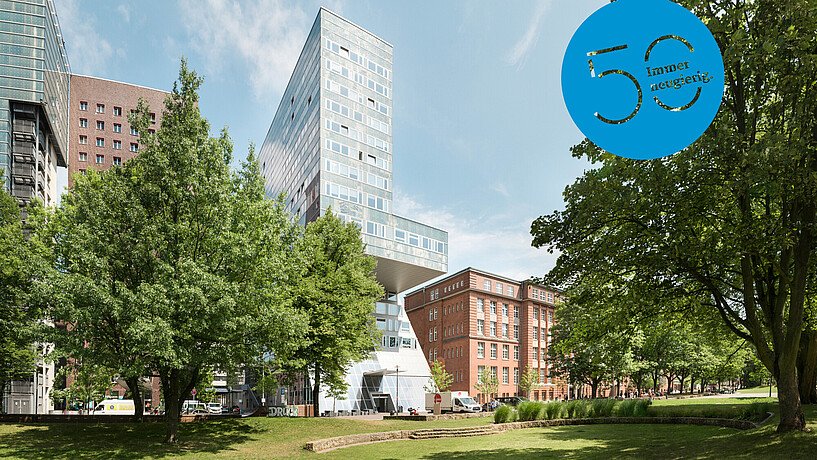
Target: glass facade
pixel 330 146
pixel 34 78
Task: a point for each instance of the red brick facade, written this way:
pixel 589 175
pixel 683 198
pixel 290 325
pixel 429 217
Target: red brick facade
pixel 452 327
pixel 100 135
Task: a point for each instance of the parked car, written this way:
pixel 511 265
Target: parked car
pixel 214 408
pixel 511 400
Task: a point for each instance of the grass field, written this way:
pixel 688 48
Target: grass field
pixel 284 438
pixel 760 389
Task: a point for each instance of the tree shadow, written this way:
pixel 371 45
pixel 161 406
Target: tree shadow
pixel 123 440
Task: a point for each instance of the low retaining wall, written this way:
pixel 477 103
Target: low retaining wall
pixel 323 445
pixel 429 417
pixel 59 418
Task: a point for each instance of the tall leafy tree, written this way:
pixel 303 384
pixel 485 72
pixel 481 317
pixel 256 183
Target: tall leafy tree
pixel 22 263
pixel 529 380
pixel 487 384
pixel 173 265
pixel 731 220
pixel 336 293
pixel 440 380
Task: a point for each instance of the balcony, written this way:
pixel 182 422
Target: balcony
pixel 24 129
pixel 23 172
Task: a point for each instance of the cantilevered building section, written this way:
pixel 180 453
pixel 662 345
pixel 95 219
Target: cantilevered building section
pixel 34 75
pixel 330 145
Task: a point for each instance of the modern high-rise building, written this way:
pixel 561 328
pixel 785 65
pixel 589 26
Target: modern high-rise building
pixel 330 145
pixel 474 322
pixel 34 75
pixel 101 136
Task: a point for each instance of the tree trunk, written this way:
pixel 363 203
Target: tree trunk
pixel 171 384
pixel 136 394
pixel 594 385
pixel 788 395
pixel 807 367
pixel 316 392
pixel 692 385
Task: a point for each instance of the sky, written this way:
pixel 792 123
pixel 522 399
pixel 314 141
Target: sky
pixel 480 131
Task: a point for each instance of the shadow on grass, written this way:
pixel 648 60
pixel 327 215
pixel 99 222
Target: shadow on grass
pixel 122 440
pixel 646 441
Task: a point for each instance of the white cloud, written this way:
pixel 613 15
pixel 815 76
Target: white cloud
pixel 267 34
pixel 497 244
pixel 519 53
pixel 499 187
pixel 88 52
pixel 124 11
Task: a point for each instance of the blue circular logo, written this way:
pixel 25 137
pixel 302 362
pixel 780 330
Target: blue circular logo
pixel 642 79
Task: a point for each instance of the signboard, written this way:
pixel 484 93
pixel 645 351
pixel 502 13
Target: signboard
pixel 438 399
pixel 643 79
pixel 283 411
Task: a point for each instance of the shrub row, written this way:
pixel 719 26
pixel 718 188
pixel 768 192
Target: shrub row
pixel 582 408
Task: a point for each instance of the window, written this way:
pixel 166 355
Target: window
pixel 480 327
pixel 516 376
pixel 510 291
pixel 117 111
pixel 117 161
pixel 480 349
pixel 83 122
pixel 480 371
pixel 83 139
pixel 543 354
pixel 487 285
pixel 505 330
pixel 134 147
pixel 493 307
pixel 499 288
pixel 536 354
pixel 535 333
pixel 493 351
pixel 536 314
pixel 435 312
pixel 542 377
pixel 153 118
pixel 435 334
pixel 83 105
pixel 430 314
pixel 504 309
pixel 505 375
pixel 100 108
pixel 100 159
pixel 536 294
pixel 493 328
pixel 133 131
pixel 100 142
pixel 550 316
pixel 430 335
pixel 505 352
pixel 516 312
pixel 516 353
pixel 480 305
pixel 430 356
pixel 493 371
pixel 117 145
pixel 435 354
pixel 516 331
pixel 550 297
pixel 83 156
pixel 117 128
pixel 100 124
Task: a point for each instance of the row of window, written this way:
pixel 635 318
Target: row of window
pixel 486 284
pixel 117 111
pixel 536 295
pixel 100 159
pixel 493 329
pixel 353 173
pixel 117 144
pixel 358 136
pixel 391 341
pixel 359 78
pixel 541 376
pixel 402 236
pixel 447 310
pixel 345 150
pixel 117 127
pixel 493 348
pixel 354 96
pixel 380 230
pixel 356 196
pixel 357 59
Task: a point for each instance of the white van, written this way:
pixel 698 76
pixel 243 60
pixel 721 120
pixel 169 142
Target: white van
pixel 214 408
pixel 191 406
pixel 115 407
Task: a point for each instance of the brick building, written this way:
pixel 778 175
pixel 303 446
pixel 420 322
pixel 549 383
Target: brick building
pixel 474 321
pixel 100 135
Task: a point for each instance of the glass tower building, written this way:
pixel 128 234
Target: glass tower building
pixel 34 79
pixel 330 145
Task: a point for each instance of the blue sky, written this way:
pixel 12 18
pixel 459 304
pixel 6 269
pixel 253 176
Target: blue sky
pixel 481 135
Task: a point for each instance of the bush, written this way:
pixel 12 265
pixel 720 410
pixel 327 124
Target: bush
pixel 640 409
pixel 626 408
pixel 504 415
pixel 603 407
pixel 529 410
pixel 555 410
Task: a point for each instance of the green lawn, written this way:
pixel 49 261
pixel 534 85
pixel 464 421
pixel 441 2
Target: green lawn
pixel 284 438
pixel 760 389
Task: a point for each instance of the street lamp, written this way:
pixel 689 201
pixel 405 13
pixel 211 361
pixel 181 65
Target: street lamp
pixel 397 409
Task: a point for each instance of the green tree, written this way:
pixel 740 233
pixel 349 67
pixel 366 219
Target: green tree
pixel 205 391
pixel 173 264
pixel 22 262
pixel 528 380
pixel 440 380
pixel 730 221
pixel 336 292
pixel 89 385
pixel 487 384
